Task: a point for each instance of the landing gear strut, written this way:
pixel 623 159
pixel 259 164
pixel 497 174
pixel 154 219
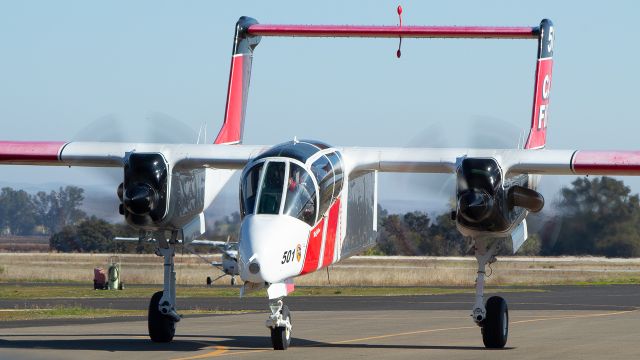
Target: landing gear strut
pixel 493 318
pixel 162 313
pixel 280 324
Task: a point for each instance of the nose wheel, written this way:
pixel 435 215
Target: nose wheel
pixel 279 323
pixel 495 327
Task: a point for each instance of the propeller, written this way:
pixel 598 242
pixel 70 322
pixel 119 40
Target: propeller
pixel 437 192
pixel 476 132
pixel 155 127
pixel 106 128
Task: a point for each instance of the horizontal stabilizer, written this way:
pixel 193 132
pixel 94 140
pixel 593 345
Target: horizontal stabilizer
pixel 373 31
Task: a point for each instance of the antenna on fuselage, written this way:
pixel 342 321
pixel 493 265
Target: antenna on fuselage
pixel 199 133
pixel 521 139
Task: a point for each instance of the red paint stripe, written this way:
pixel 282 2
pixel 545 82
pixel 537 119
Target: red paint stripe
pixel 332 230
pixel 232 127
pixel 540 113
pixel 25 152
pixel 394 31
pixel 312 254
pixel 606 162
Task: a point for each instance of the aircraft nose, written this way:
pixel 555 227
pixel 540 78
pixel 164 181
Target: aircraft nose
pixel 263 238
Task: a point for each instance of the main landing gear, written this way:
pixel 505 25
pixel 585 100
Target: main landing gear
pixel 492 317
pixel 280 324
pixel 162 313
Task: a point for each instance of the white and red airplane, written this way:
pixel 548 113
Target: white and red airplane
pixel 305 204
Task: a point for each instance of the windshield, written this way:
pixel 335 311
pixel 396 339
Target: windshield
pixel 272 187
pixel 301 194
pixel 249 189
pixel 294 185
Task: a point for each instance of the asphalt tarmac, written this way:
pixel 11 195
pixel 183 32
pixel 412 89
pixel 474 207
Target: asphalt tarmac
pixel 568 322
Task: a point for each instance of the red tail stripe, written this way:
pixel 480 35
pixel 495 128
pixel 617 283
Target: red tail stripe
pixel 538 133
pixel 232 127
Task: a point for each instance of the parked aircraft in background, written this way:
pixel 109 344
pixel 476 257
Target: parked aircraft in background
pixel 229 251
pixel 306 204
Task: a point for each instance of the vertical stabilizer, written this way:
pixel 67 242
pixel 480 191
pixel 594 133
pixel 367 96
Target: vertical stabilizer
pixel 243 46
pixel 538 133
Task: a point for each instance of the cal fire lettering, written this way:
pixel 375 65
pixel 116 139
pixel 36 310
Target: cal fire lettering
pixel 542 89
pixel 542 93
pixel 546 88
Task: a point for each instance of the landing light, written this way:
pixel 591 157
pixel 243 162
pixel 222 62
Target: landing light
pixel 254 268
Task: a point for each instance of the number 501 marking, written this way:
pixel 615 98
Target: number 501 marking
pixel 287 256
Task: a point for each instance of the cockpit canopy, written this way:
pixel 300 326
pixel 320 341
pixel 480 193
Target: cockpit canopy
pixel 292 179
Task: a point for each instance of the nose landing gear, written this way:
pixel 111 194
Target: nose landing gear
pixel 280 324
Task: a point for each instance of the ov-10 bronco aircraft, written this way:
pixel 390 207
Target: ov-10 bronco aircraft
pixel 305 204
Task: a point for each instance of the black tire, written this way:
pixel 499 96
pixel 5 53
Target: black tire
pixel 233 281
pixel 495 328
pixel 280 336
pixel 121 286
pixel 161 328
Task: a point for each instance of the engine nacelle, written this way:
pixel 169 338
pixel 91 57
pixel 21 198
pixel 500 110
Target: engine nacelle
pixel 145 191
pixel 487 202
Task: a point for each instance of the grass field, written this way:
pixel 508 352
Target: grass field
pixel 87 313
pixel 359 271
pixel 83 291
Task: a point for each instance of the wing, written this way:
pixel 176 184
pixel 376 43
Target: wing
pixel 415 160
pixel 109 154
pixel 445 160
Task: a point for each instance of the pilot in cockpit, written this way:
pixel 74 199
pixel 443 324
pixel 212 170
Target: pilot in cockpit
pixel 300 200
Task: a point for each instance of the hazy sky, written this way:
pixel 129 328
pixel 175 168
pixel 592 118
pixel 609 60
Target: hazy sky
pixel 67 64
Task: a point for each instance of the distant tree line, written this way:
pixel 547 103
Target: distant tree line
pixel 591 217
pixel 416 234
pixel 597 217
pixel 22 213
